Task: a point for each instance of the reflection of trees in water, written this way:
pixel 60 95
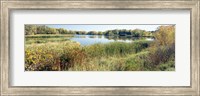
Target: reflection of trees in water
pixel 124 38
pixel 92 36
pixel 80 36
pixel 100 36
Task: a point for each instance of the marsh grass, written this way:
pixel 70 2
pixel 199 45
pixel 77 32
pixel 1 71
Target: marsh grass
pixel 48 36
pixel 69 55
pixel 42 38
pixel 116 48
pixel 114 56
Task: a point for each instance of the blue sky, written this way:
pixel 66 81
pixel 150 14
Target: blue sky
pixel 85 27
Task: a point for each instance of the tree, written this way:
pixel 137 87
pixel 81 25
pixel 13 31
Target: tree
pixel 165 35
pixel 30 29
pixel 41 29
pixel 100 33
pixel 92 33
pixel 53 31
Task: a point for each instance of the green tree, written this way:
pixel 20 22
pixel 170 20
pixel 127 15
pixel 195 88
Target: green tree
pixel 30 29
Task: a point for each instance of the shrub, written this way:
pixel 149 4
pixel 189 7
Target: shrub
pixel 168 66
pixel 137 61
pixel 159 55
pixel 165 35
pixel 72 57
pixel 46 56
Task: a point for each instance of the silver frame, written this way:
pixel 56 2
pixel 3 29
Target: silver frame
pixel 8 5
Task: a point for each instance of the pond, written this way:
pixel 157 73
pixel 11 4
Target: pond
pixel 92 39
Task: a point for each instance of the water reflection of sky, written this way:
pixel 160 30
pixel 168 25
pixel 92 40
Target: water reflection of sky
pixel 93 39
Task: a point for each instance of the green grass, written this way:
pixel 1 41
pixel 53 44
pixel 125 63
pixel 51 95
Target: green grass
pixel 43 38
pixel 48 36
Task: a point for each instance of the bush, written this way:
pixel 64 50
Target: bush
pixel 168 66
pixel 71 58
pixel 136 62
pixel 159 55
pixel 46 57
pixel 165 35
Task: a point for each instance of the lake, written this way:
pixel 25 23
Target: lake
pixel 93 39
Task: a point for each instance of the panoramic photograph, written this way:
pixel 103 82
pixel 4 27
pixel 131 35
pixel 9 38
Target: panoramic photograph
pixel 99 47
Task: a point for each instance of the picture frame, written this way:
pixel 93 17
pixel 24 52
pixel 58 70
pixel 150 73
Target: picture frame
pixel 8 5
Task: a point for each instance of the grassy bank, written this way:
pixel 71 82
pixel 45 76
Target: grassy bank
pixel 116 56
pixel 46 38
pixel 49 35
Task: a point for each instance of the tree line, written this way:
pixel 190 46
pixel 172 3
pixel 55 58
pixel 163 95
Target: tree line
pixel 42 29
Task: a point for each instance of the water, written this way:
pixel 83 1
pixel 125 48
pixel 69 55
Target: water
pixel 93 39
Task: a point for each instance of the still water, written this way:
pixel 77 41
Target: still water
pixel 93 39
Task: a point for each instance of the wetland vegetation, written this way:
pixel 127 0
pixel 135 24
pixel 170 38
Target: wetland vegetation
pixel 59 49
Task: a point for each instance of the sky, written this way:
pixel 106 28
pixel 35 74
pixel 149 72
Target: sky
pixel 85 27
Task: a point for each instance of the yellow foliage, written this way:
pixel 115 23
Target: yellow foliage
pixel 165 35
